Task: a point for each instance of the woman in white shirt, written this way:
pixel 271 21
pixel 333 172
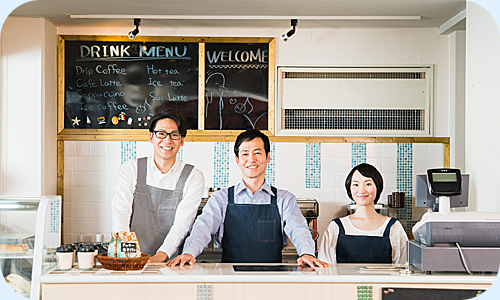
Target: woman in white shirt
pixel 365 236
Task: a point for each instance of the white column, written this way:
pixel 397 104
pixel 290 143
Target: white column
pixel 28 149
pixel 457 100
pixel 482 115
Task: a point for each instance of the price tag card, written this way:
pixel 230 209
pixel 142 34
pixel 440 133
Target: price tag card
pixel 129 247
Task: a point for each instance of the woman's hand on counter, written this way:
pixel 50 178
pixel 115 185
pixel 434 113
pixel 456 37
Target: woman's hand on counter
pixel 181 260
pixel 159 257
pixel 310 260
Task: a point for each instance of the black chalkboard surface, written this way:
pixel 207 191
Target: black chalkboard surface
pixel 122 84
pixel 111 85
pixel 236 85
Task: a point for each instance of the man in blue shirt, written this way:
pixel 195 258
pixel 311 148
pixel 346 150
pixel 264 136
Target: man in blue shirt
pixel 251 219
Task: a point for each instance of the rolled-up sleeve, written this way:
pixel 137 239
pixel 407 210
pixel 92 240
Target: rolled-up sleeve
pixel 206 224
pixel 328 246
pixel 398 242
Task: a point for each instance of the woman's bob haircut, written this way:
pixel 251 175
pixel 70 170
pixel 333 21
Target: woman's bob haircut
pixel 366 170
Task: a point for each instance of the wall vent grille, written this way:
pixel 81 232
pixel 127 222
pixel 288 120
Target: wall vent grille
pixel 360 101
pixel 353 75
pixel 353 119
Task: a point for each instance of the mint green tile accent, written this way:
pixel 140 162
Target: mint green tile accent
pixel 358 154
pixel 313 165
pixel 271 166
pixel 55 216
pixel 404 182
pixel 221 164
pixel 180 154
pixel 128 151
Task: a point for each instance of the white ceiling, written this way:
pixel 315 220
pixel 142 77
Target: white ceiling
pixel 433 13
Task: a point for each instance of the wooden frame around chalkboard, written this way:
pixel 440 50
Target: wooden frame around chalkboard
pixel 141 134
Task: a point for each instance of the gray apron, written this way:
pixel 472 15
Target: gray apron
pixel 153 209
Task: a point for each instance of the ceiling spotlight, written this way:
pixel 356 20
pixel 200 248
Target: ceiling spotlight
pixel 132 34
pixel 287 35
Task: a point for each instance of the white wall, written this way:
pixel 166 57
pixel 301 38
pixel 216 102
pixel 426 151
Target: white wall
pixel 48 96
pixel 28 140
pixel 482 157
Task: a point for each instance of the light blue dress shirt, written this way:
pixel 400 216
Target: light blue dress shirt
pixel 211 221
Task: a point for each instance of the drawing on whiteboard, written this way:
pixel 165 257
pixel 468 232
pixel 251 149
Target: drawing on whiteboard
pixel 254 66
pixel 142 108
pixel 221 89
pixel 215 86
pixel 241 108
pixel 253 123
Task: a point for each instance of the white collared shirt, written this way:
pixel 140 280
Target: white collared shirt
pixel 121 205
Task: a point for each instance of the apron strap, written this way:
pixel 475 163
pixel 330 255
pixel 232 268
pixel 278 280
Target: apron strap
pixel 341 227
pixel 230 195
pixel 274 198
pixel 142 166
pixel 183 177
pixel 388 228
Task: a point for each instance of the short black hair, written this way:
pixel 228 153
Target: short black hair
pixel 249 135
pixel 174 116
pixel 366 170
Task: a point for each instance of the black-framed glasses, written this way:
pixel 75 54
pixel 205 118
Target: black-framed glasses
pixel 163 134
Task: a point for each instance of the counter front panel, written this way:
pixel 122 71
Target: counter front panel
pixel 221 281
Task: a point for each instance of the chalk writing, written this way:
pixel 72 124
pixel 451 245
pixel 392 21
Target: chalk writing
pixel 154 82
pixel 126 52
pixel 140 79
pixel 110 69
pixel 103 79
pixel 257 55
pixel 236 86
pixel 143 108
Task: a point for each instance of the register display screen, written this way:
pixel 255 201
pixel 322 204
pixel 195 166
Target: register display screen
pixel 444 177
pixel 444 182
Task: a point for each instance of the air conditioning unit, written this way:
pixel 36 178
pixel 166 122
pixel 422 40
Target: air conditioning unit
pixel 354 101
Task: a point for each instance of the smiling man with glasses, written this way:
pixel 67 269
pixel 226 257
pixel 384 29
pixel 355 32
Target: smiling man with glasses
pixel 157 197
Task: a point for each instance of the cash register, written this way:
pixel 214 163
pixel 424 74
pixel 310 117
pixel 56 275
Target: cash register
pixel 452 241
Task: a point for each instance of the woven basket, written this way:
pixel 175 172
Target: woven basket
pixel 123 264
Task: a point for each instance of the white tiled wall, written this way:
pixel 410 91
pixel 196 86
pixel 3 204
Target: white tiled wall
pixel 90 171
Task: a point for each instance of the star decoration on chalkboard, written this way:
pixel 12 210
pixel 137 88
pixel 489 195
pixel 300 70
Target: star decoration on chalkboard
pixel 76 121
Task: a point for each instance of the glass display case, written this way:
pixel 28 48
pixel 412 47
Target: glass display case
pixel 30 231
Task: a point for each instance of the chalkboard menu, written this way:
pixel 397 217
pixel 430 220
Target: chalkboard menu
pixel 117 83
pixel 121 85
pixel 236 85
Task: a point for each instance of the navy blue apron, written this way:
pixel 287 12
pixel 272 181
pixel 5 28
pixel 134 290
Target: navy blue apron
pixel 364 249
pixel 252 232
